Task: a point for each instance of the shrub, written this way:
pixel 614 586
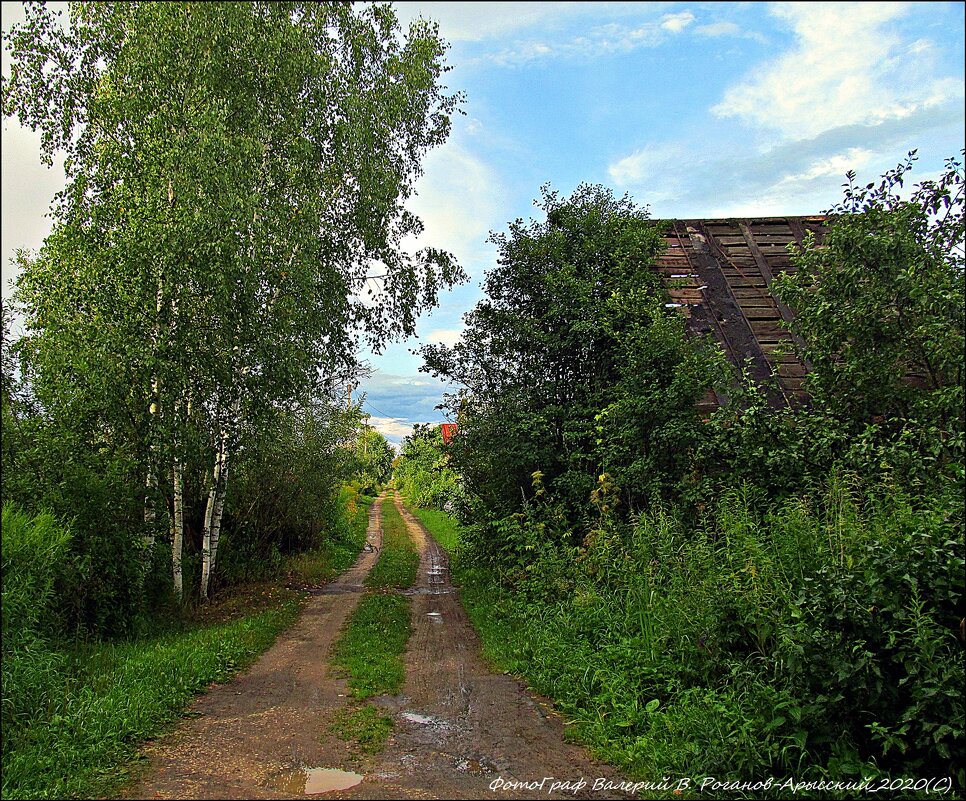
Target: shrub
pixel 35 554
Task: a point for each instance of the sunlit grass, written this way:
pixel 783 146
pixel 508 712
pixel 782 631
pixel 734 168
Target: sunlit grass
pixel 443 527
pixel 399 559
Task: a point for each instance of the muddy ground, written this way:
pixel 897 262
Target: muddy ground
pixel 460 730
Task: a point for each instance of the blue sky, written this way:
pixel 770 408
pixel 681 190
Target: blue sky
pixel 695 109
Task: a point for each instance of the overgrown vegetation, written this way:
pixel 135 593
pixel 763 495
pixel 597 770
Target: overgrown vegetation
pixel 768 591
pixel 422 473
pixel 74 712
pixel 193 319
pixel 175 432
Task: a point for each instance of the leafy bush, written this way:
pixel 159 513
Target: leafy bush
pixel 36 552
pixel 423 473
pixel 818 638
pixel 573 365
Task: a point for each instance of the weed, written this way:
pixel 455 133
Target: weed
pixel 364 727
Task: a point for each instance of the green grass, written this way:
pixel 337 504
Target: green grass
pixel 443 527
pixel 74 717
pixel 121 694
pixel 369 651
pixel 364 727
pixel 399 559
pixel 335 556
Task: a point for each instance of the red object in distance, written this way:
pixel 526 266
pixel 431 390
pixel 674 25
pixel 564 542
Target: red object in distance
pixel 449 431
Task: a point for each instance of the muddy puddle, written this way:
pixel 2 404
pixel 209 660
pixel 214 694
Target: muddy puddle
pixel 313 781
pixel 434 589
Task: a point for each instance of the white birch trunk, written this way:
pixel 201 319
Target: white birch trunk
pixel 151 482
pixel 177 526
pixel 213 511
pixel 216 499
pixel 150 516
pixel 217 512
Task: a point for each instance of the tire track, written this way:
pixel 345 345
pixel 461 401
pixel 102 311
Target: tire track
pixel 459 727
pixel 249 737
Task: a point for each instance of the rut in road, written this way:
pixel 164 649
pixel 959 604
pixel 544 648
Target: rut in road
pixel 250 734
pixel 458 727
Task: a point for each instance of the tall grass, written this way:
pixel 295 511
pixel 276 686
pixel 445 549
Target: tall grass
pixel 818 639
pixel 443 527
pixel 74 713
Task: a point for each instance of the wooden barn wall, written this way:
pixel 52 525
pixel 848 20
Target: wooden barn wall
pixel 720 275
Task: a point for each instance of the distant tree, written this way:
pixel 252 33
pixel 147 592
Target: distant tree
pixel 423 473
pixel 374 456
pixel 236 180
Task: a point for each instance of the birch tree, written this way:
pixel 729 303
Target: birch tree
pixel 237 175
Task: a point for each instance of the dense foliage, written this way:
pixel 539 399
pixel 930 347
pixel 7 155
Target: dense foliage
pixel 374 456
pixel 879 308
pixel 202 294
pixel 767 591
pixel 573 365
pixel 422 472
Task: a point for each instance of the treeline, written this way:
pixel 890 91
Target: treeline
pixel 175 357
pixel 755 592
pixel 193 317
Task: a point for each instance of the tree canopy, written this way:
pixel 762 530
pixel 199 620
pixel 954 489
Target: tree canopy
pixel 234 221
pixel 572 365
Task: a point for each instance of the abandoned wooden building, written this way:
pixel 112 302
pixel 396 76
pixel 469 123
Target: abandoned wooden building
pixel 720 275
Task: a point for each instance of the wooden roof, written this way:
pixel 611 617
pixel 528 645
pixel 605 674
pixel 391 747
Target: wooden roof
pixel 720 275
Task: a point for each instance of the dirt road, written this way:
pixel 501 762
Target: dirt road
pixel 460 731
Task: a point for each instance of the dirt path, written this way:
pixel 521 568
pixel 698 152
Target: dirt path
pixel 458 727
pixel 249 736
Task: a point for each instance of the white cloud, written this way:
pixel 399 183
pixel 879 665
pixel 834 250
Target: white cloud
pixel 646 164
pixel 809 189
pixel 483 20
pixel 848 66
pixel 392 428
pixel 444 336
pixel 610 38
pixel 801 176
pixel 479 21
pixel 458 200
pixel 831 166
pixel 718 29
pixel 601 40
pixel 675 23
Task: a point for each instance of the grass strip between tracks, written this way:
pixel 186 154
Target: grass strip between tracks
pixel 369 652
